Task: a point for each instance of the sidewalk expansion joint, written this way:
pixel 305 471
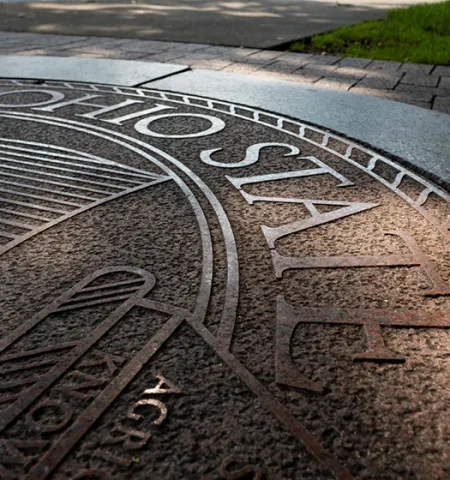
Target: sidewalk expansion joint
pixel 162 77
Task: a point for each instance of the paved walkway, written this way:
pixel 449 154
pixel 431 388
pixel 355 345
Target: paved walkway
pixel 250 23
pixel 426 86
pixel 255 23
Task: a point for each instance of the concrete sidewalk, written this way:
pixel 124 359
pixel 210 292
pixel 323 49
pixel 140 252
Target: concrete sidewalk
pixel 426 86
pixel 259 24
pixel 255 24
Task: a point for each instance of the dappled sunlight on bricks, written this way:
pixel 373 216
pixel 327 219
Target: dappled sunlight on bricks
pixel 426 86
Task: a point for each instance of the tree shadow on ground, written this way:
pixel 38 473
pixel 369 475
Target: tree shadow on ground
pixel 260 24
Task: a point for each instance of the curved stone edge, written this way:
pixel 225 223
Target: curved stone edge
pixel 96 70
pixel 287 125
pixel 415 137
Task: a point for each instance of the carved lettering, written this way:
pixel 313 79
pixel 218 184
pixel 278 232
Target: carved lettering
pixel 371 319
pixel 322 169
pixel 148 401
pixel 273 234
pixel 60 365
pixel 26 382
pixel 55 97
pixel 84 382
pixel 129 438
pixel 18 452
pixel 216 125
pixel 60 414
pixel 131 116
pixel 103 358
pixel 416 258
pixel 251 156
pixel 163 386
pixel 102 109
pixel 112 108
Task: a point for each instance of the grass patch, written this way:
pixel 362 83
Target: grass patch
pixel 418 34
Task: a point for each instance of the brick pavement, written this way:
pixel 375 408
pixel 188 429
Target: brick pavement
pixel 426 86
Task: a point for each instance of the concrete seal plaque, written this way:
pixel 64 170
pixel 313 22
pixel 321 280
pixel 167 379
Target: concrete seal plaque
pixel 193 289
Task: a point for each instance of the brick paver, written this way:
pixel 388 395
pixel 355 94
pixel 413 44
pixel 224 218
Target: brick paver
pixel 281 66
pixel 349 72
pixel 304 76
pixel 426 86
pixel 241 68
pixel 381 80
pixel 300 58
pixel 419 91
pixel 416 68
pixel 169 56
pixel 336 83
pixel 442 104
pixel 441 71
pixel 422 94
pixel 323 60
pixel 444 82
pixel 264 56
pixel 383 65
pixel 353 62
pixel 420 79
pixel 319 68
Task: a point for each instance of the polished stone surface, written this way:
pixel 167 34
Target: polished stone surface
pixel 199 289
pixel 116 72
pixel 417 136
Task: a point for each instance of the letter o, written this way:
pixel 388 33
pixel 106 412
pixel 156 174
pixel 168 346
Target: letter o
pixel 56 97
pixel 216 125
pixel 64 409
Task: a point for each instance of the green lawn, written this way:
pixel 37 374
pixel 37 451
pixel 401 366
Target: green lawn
pixel 418 34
